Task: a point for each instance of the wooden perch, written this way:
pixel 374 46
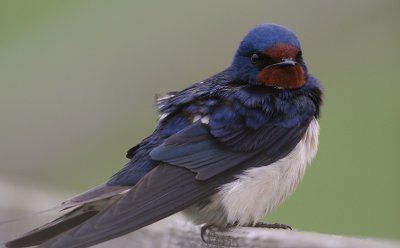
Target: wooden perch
pixel 176 232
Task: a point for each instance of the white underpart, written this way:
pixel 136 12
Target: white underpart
pixel 259 190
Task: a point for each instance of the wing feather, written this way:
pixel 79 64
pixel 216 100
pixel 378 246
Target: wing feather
pixel 197 149
pixel 164 191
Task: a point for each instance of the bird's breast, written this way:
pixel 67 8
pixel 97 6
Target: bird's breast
pixel 259 190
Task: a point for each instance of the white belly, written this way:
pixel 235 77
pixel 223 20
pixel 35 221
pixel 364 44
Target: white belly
pixel 258 190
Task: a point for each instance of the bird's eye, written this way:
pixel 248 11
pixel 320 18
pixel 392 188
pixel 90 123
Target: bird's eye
pixel 261 60
pixel 255 58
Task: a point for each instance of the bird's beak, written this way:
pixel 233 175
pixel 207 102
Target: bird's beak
pixel 284 63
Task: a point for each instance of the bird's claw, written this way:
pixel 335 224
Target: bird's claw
pixel 203 231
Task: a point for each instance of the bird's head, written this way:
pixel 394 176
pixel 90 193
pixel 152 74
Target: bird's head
pixel 270 55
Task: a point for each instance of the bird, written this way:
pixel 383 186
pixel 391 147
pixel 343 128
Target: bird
pixel 226 151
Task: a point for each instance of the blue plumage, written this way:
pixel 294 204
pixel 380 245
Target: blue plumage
pixel 265 36
pixel 242 117
pixel 258 40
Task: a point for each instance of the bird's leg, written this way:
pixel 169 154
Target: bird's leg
pixel 274 226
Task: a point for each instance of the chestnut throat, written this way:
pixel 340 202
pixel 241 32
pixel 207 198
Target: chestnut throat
pixel 288 77
pixel 285 77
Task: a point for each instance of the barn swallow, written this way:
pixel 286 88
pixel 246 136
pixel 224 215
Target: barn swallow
pixel 226 150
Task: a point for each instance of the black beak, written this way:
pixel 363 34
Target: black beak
pixel 284 63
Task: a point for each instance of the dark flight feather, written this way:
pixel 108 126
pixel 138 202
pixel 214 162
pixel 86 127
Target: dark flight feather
pixel 164 191
pixel 80 208
pixel 168 189
pixel 39 235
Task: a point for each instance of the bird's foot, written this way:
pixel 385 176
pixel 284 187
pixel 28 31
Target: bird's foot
pixel 274 226
pixel 203 231
pixel 205 227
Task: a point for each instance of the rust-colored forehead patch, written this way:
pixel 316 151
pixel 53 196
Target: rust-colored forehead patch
pixel 282 51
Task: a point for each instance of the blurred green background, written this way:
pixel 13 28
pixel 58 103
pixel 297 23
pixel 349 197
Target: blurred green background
pixel 78 79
